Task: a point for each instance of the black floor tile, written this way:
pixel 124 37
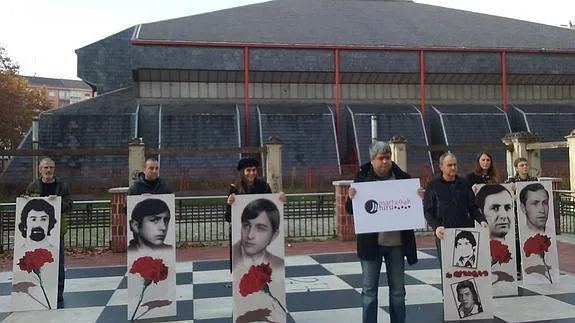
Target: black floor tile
pixel 87 299
pixel 308 270
pixel 95 272
pixel 323 300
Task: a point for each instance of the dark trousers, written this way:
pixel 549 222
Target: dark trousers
pixel 395 271
pixel 61 271
pixel 230 240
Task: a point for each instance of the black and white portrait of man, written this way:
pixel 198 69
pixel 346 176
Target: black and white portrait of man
pixel 465 249
pixel 149 224
pixel 37 221
pixel 467 298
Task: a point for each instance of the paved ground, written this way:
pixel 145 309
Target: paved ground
pixel 320 288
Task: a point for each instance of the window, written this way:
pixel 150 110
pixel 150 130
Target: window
pixel 64 95
pixel 51 93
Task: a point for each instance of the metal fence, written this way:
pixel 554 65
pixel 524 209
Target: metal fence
pixel 565 208
pixel 198 220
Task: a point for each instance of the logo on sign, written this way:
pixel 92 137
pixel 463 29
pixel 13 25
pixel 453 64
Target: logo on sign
pixel 373 206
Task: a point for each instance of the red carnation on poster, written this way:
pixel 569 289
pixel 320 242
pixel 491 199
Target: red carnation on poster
pixel 499 253
pixel 151 270
pixel 538 245
pixel 33 261
pixel 257 279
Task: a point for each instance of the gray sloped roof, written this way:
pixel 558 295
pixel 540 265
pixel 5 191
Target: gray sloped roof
pixel 367 23
pixel 121 101
pixel 59 83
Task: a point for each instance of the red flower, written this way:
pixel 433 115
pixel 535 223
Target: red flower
pixel 255 279
pixel 537 245
pixel 152 270
pixel 499 253
pixel 34 260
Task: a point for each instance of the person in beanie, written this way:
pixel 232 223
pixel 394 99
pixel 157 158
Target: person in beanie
pixel 247 182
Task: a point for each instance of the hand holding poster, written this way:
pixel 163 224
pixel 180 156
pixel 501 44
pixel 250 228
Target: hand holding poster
pixel 36 254
pixel 258 272
pixel 466 269
pixel 387 206
pixel 151 256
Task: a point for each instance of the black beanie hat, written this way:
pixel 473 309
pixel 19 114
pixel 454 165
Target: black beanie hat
pixel 247 162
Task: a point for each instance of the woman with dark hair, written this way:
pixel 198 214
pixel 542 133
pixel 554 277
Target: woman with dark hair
pixel 485 172
pixel 247 182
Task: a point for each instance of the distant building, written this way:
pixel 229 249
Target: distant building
pixel 62 92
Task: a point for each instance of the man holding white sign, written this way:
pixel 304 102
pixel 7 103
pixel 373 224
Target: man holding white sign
pixel 373 246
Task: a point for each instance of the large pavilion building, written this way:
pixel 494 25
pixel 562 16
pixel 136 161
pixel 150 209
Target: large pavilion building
pixel 313 73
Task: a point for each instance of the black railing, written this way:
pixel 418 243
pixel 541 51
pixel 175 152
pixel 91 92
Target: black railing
pixel 198 220
pixel 565 202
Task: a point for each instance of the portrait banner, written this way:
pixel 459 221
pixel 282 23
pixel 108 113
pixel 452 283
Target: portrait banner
pixel 151 243
pixel 466 269
pixel 36 254
pixel 258 251
pixel 382 206
pixel 535 214
pixel 496 202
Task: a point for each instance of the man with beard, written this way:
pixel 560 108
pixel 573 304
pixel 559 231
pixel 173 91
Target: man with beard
pixel 36 223
pixel 51 186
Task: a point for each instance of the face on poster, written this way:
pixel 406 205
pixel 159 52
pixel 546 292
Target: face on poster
pixel 36 254
pixel 151 256
pixel 466 274
pixel 496 202
pixel 537 232
pixel 258 248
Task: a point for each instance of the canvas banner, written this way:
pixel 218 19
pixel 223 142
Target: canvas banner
pixel 466 269
pixel 151 256
pixel 258 251
pixel 539 259
pixel 36 254
pixel 496 202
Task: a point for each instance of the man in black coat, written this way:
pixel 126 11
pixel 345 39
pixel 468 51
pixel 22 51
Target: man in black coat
pixel 149 181
pixel 449 201
pixel 392 245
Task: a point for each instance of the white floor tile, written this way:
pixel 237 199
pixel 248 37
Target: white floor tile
pixel 92 284
pixel 184 267
pixel 336 315
pixel 566 285
pixel 5 303
pixel 208 308
pixel 314 283
pixel 120 297
pixel 300 261
pixel 428 276
pixel 212 276
pixel 532 309
pixel 76 315
pixel 423 255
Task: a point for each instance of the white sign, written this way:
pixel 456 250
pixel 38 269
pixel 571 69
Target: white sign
pixel 466 267
pixel 151 256
pixel 387 206
pixel 496 203
pixel 258 268
pixel 36 254
pixel 540 262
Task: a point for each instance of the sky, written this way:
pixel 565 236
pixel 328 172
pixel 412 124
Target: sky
pixel 42 35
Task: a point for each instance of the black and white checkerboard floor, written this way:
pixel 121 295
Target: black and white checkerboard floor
pixel 320 288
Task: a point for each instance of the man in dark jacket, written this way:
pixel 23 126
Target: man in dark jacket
pixel 149 182
pixel 449 202
pixel 393 245
pixel 49 185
